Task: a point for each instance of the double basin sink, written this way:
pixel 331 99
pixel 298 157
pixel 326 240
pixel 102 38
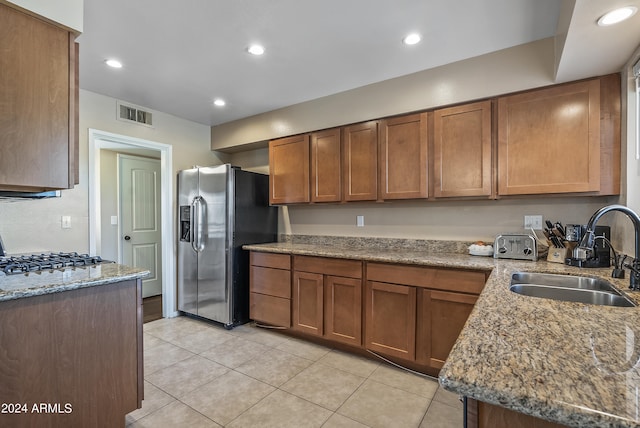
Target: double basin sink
pixel 568 288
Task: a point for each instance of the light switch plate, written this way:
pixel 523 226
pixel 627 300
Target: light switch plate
pixel 66 222
pixel 360 220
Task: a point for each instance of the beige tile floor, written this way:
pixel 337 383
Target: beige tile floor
pixel 201 375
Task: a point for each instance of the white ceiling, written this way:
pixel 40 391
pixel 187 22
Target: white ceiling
pixel 180 55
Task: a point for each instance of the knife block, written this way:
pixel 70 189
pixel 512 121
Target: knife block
pixel 558 255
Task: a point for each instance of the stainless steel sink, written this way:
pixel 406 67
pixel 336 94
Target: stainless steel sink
pixel 568 288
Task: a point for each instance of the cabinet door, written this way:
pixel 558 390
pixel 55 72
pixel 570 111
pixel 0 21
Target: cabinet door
pixel 462 151
pixel 360 162
pixel 549 140
pixel 485 415
pixel 390 319
pixel 308 302
pixel 403 157
pixel 326 168
pixel 36 95
pixel 343 310
pixel 289 170
pixel 441 317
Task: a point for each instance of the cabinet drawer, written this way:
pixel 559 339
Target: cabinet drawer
pixel 278 261
pixel 327 266
pixel 464 281
pixel 274 282
pixel 270 309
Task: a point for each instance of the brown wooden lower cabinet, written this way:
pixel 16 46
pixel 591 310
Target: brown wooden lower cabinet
pixel 270 288
pixel 327 298
pixel 76 355
pixel 308 292
pixel 390 322
pixel 343 310
pixel 416 313
pixel 441 317
pixel 411 313
pixel 484 415
pixel 270 309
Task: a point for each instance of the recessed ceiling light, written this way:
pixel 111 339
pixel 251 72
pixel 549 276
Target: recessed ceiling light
pixel 255 49
pixel 219 102
pixel 113 63
pixel 412 39
pixel 617 15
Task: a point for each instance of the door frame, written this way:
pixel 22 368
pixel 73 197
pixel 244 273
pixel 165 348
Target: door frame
pixel 106 140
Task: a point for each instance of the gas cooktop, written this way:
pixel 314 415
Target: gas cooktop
pixel 24 264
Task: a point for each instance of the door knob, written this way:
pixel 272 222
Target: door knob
pixel 127 238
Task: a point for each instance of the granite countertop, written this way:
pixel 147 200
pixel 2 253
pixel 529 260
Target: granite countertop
pixel 35 284
pixel 388 255
pixel 572 363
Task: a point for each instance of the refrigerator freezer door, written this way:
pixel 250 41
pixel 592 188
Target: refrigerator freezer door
pixel 214 293
pixel 187 257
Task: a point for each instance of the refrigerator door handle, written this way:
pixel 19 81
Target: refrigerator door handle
pixel 197 222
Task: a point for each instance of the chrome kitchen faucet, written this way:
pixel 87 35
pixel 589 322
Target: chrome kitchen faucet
pixel 584 251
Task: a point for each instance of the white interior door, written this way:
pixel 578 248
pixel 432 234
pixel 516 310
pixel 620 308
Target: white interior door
pixel 140 236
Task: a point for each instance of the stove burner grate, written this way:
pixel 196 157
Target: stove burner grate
pixel 51 261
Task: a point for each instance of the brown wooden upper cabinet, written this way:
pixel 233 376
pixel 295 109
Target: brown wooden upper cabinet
pixel 403 157
pixel 462 151
pixel 549 140
pixel 559 139
pixel 38 104
pixel 326 166
pixel 289 170
pixel 360 162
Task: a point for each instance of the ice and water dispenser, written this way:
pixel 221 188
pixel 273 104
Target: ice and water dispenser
pixel 185 223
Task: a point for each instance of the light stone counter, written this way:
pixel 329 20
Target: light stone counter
pixel 46 282
pixel 571 363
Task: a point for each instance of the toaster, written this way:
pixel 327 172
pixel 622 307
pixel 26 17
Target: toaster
pixel 519 246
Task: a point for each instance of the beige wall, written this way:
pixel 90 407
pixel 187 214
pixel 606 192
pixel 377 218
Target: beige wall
pixel 35 225
pixel 522 67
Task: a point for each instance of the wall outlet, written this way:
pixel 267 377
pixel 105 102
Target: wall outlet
pixel 533 222
pixel 360 220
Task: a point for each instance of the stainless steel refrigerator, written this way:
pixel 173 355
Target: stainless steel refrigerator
pixel 219 210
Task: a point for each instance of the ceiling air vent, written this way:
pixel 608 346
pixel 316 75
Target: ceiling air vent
pixel 130 113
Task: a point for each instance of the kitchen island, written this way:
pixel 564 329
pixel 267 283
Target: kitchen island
pixel 71 346
pixel 570 363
